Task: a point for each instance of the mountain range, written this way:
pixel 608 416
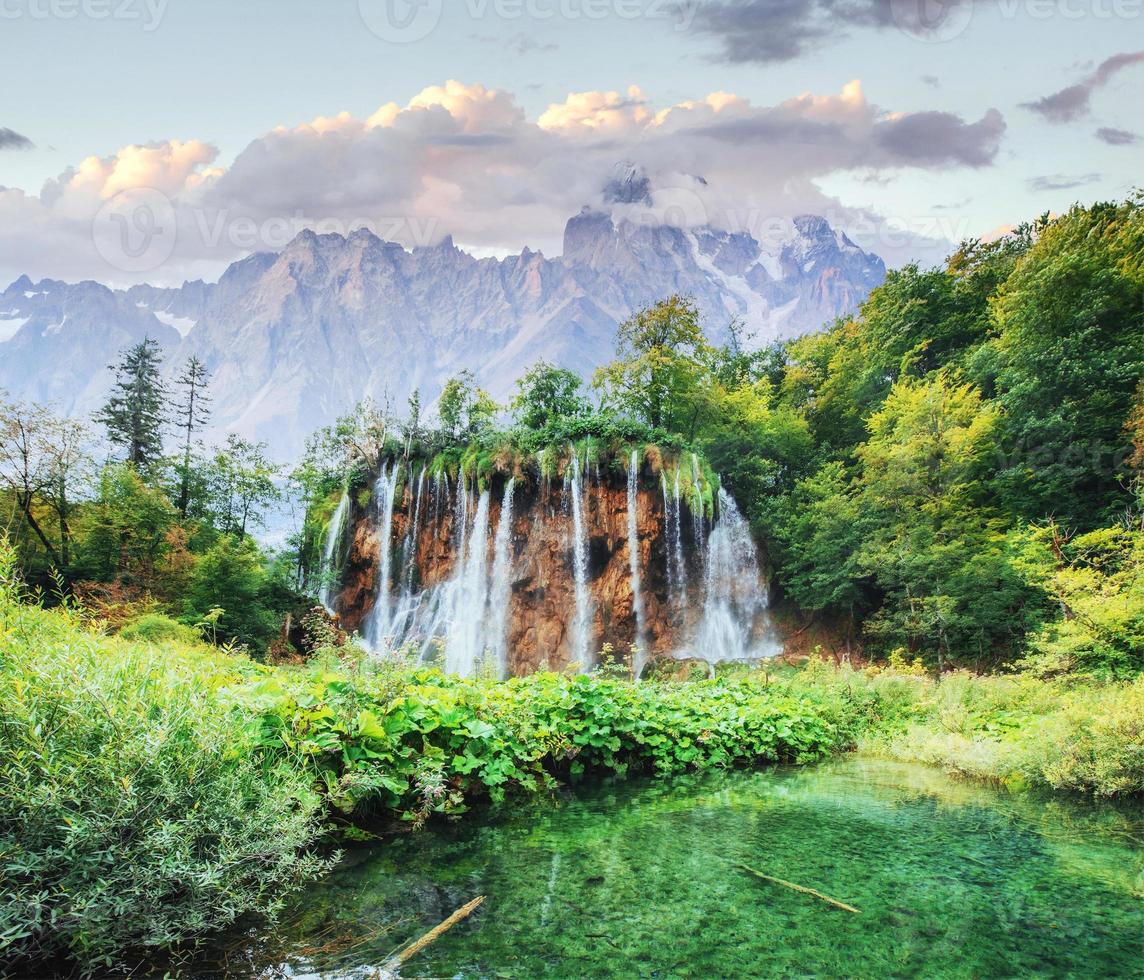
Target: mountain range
pixel 294 338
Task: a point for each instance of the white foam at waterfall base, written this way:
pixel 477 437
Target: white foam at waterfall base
pixel 639 652
pixel 734 624
pixel 329 553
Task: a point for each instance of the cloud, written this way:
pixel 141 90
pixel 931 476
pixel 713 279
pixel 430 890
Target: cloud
pixel 770 31
pixel 931 80
pixel 1061 182
pixel 1072 103
pixel 763 32
pixel 466 160
pixel 11 140
pixel 941 138
pixel 1116 137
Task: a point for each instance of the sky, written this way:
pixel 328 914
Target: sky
pixel 157 140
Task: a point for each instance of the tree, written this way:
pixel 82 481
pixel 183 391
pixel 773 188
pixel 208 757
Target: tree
pixel 546 394
pixel 935 546
pixel 411 427
pixel 125 528
pixel 659 364
pixel 40 454
pixel 243 485
pixel 1070 323
pixel 135 412
pixel 465 410
pixel 192 413
pixel 227 589
pixel 822 535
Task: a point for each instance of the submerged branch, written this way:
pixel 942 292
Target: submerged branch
pixel 390 969
pixel 801 888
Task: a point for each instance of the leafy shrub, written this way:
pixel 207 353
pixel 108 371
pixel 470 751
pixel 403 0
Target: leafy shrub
pixel 136 811
pixel 380 736
pixel 157 628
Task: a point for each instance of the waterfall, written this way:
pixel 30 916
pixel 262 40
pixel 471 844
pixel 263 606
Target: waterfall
pixel 328 570
pixel 411 536
pixel 634 564
pixel 502 583
pixel 454 600
pixel 697 523
pixel 735 597
pixel 676 543
pixel 384 490
pixel 465 643
pixel 581 623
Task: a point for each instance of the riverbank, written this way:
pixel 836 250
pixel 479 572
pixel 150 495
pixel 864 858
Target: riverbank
pixel 153 793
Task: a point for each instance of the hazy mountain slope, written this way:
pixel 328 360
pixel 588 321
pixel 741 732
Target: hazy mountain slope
pixel 294 338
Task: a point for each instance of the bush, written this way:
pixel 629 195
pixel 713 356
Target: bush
pixel 157 628
pixel 417 741
pixel 136 810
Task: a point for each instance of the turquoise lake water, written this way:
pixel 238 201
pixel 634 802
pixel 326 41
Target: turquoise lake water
pixel 643 878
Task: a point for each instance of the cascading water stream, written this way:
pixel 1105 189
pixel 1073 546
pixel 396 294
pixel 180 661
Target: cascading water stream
pixel 329 553
pixel 676 543
pixel 411 537
pixel 500 591
pixel 379 624
pixel 582 622
pixel 466 633
pixel 735 595
pixel 634 565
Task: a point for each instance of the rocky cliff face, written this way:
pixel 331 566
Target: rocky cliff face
pixel 540 596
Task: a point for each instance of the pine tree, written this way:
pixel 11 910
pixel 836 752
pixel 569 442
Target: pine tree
pixel 135 412
pixel 192 413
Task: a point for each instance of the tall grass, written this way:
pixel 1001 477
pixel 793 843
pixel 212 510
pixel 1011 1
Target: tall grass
pixel 1072 733
pixel 136 811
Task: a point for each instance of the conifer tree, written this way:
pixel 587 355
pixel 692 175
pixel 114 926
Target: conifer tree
pixel 192 413
pixel 135 412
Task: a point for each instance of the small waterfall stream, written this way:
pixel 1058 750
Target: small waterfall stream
pixel 734 596
pixel 465 638
pixel 501 591
pixel 385 490
pixel 328 571
pixel 582 623
pixel 634 565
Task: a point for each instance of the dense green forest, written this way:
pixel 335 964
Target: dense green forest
pixel 951 478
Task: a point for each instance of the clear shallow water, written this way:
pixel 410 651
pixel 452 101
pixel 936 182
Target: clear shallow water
pixel 638 878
